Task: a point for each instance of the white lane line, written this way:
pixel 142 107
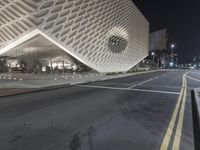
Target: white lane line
pixel 140 83
pixel 103 87
pixel 192 78
pixel 156 91
pixel 126 89
pixel 165 86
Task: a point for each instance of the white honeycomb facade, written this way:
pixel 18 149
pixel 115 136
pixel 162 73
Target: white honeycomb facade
pixel 82 28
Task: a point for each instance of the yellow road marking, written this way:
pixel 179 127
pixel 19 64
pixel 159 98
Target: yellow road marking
pixel 177 138
pixel 165 143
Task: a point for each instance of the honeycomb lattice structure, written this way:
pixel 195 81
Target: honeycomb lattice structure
pixel 83 27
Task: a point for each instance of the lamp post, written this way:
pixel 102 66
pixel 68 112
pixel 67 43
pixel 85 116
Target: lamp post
pixel 172 46
pixel 153 54
pixel 172 55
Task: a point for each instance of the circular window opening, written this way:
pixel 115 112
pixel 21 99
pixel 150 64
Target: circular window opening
pixel 117 44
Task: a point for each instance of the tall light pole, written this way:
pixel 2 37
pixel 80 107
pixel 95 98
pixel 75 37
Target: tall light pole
pixel 172 48
pixel 172 62
pixel 153 54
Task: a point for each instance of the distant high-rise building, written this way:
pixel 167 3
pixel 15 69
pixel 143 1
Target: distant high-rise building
pixel 158 45
pixel 158 40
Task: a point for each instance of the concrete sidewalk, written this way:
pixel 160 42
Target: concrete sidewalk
pixel 12 84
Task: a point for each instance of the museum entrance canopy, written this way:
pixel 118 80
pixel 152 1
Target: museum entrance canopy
pixel 38 53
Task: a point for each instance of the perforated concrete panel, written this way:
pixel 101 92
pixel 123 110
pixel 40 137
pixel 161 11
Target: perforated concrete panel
pixel 106 35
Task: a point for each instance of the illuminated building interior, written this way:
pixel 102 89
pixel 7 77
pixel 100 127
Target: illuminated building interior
pixel 39 54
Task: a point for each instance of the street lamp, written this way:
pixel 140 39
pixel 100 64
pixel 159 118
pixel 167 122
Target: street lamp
pixel 172 55
pixel 173 46
pixel 153 54
pixel 171 64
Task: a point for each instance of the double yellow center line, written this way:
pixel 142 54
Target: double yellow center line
pixel 179 105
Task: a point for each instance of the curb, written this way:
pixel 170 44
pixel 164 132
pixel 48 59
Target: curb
pixel 35 90
pixel 197 104
pixel 70 84
pixel 196 116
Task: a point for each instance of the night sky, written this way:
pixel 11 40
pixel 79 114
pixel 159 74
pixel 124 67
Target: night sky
pixel 181 18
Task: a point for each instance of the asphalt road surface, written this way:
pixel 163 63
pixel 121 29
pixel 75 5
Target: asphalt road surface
pixel 143 112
